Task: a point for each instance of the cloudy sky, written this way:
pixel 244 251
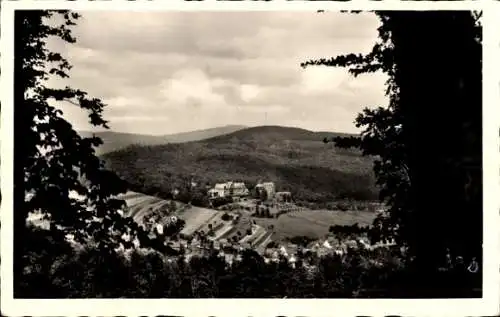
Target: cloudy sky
pixel 169 72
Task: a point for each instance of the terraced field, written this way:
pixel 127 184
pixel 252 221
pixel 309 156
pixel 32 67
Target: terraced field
pixel 216 222
pixel 197 219
pixel 223 231
pixel 140 205
pixel 258 231
pixel 263 241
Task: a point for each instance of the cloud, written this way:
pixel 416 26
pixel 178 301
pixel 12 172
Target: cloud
pixel 249 92
pixel 320 79
pixel 180 71
pixel 191 87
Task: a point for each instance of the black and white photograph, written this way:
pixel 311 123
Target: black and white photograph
pixel 183 154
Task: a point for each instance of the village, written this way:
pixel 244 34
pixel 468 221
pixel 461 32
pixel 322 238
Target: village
pixel 231 228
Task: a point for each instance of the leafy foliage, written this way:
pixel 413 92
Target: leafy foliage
pixel 50 159
pixel 93 273
pixel 428 139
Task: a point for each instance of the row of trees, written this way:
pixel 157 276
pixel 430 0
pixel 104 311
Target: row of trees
pixel 262 212
pixel 94 272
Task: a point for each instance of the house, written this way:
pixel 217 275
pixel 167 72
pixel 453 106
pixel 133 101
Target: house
pixel 228 189
pixel 238 189
pixel 219 190
pixel 217 245
pixel 268 187
pixel 283 251
pixel 222 189
pixel 159 228
pixel 292 260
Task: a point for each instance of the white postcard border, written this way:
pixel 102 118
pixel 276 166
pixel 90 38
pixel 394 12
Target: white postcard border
pixel 488 305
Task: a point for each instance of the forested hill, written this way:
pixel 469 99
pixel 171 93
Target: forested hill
pixel 267 134
pixel 295 159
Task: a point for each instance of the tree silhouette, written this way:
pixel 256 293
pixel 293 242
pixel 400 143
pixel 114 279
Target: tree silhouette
pixel 172 206
pixel 263 196
pixel 267 213
pixel 50 158
pixel 427 141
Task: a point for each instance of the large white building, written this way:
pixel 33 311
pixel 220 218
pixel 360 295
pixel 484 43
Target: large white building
pixel 229 189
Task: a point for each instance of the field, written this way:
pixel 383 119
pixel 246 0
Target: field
pixel 312 223
pixel 216 222
pixel 140 205
pixel 196 218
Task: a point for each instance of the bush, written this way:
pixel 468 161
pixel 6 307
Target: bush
pixel 221 201
pixel 174 228
pixel 272 244
pixel 301 240
pixel 226 217
pixel 343 206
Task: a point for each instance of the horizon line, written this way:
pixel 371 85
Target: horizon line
pixel 100 130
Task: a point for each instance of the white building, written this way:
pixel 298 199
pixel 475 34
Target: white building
pixel 219 190
pixel 159 228
pixel 238 189
pixel 229 189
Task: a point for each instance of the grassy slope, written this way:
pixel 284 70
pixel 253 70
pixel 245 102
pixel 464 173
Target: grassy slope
pixel 113 141
pixel 295 159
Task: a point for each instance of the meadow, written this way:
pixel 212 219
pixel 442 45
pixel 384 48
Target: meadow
pixel 312 223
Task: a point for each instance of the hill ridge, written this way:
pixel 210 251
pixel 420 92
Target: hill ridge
pixel 118 140
pixel 296 160
pixel 293 133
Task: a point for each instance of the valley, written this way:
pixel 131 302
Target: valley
pixel 212 189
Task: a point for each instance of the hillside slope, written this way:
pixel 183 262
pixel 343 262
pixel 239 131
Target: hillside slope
pixel 295 159
pixel 113 141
